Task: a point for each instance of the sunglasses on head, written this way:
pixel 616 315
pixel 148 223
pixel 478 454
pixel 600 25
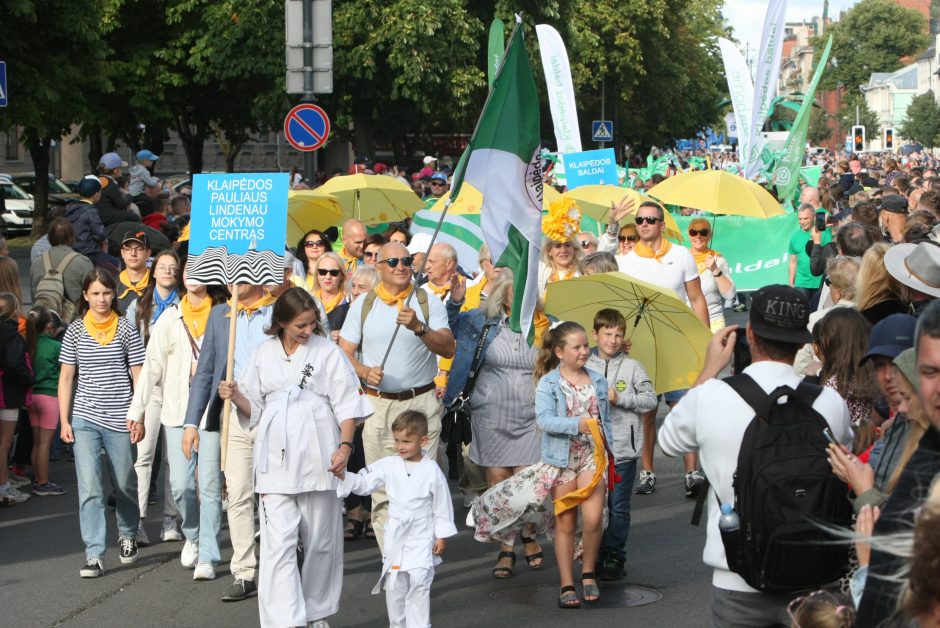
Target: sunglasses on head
pixel 629 238
pixel 699 232
pixel 586 244
pixel 332 272
pixel 316 243
pixel 650 220
pixel 393 261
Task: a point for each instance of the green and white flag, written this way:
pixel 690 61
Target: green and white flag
pixel 461 231
pixel 504 164
pixel 787 173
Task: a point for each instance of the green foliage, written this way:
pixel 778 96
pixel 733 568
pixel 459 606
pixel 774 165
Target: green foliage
pixel 872 36
pixel 921 122
pixel 866 117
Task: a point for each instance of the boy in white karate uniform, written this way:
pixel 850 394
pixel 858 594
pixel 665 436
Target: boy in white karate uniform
pixel 420 517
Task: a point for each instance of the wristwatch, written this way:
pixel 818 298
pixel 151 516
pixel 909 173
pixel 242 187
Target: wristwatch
pixel 718 274
pixel 424 330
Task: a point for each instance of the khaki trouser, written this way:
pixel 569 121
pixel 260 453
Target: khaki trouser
pixel 378 443
pixel 146 449
pixel 240 485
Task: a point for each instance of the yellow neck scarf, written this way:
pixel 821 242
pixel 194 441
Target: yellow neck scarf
pixel 101 332
pixel 349 261
pixel 330 305
pixel 572 499
pixel 137 287
pixel 644 251
pixel 196 317
pixel 439 291
pixel 267 299
pixel 557 276
pixel 700 258
pixel 392 299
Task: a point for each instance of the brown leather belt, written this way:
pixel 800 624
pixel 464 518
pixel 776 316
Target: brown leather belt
pixel 399 396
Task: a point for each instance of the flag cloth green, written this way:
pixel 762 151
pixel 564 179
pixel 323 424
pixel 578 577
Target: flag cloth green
pixel 495 48
pixel 788 168
pixel 504 164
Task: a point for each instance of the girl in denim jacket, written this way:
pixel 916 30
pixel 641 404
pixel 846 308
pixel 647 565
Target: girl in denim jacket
pixel 572 409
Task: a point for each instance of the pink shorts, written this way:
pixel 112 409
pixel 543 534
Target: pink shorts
pixel 44 412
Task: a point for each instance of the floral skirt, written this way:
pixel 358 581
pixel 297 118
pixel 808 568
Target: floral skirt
pixel 524 500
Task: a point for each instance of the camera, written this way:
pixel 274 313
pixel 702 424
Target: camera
pixel 741 357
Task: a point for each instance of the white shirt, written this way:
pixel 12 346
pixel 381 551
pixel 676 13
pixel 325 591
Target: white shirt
pixel 298 403
pixel 713 296
pixel 410 364
pixel 670 271
pixel 711 419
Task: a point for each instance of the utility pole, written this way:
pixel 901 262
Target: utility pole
pixel 603 100
pixel 310 157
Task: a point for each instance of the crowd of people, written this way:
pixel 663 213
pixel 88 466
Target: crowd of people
pixel 381 342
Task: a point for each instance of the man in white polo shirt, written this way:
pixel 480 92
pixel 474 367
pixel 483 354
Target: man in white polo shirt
pixel 658 261
pixel 406 382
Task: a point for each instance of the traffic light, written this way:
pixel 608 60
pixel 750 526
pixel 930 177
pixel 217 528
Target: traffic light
pixel 858 139
pixel 889 139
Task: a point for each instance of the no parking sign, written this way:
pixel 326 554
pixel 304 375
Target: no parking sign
pixel 307 127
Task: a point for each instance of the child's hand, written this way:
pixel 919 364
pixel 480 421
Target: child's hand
pixel 438 549
pixel 612 395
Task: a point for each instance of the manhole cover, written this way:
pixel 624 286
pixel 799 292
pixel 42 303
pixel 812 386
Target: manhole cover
pixel 613 595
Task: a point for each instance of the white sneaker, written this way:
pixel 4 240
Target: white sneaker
pixel 319 623
pixel 14 494
pixel 190 554
pixel 170 530
pixel 142 539
pixel 204 571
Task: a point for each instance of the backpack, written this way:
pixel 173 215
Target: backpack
pixel 50 291
pixel 785 493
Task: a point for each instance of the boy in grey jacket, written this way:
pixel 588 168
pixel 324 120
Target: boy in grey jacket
pixel 631 394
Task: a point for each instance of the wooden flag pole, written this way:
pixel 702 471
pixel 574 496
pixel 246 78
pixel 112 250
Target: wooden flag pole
pixel 229 372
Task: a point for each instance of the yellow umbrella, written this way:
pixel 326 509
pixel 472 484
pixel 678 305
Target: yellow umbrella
pixel 470 200
pixel 718 192
pixel 373 198
pixel 668 338
pixel 595 200
pixel 310 209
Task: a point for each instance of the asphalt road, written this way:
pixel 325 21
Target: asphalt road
pixel 41 552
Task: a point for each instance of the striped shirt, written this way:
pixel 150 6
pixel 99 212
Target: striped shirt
pixel 105 387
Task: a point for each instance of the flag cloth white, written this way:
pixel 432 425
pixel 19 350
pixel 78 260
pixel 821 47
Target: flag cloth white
pixel 560 89
pixel 461 231
pixel 765 81
pixel 742 94
pixel 505 166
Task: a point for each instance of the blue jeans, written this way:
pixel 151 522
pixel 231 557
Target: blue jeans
pixel 119 454
pixel 618 512
pixel 202 520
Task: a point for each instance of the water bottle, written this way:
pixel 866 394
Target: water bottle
pixel 728 521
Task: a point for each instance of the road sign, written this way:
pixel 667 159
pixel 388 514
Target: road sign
pixel 307 127
pixel 602 131
pixel 3 83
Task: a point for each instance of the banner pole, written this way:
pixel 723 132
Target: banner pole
pixel 229 373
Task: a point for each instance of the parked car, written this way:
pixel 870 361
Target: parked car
pixel 59 193
pixel 16 216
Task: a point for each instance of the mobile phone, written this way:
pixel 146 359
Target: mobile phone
pixel 820 221
pixel 829 437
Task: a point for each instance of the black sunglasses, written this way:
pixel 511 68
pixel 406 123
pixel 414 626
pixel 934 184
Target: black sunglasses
pixel 650 220
pixel 699 232
pixel 586 243
pixel 370 254
pixel 630 238
pixel 438 183
pixel 316 243
pixel 332 272
pixel 393 261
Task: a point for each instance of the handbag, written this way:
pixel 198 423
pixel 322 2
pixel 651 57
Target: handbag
pixel 455 424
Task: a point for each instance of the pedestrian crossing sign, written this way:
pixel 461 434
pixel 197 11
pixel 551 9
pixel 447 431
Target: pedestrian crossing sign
pixel 3 84
pixel 602 131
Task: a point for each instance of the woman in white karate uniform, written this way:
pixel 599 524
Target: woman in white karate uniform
pixel 304 397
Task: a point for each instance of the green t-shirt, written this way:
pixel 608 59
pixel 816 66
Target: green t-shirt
pixel 804 278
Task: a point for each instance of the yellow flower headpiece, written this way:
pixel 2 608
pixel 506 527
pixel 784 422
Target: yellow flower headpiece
pixel 563 220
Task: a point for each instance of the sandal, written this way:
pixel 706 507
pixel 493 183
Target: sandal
pixel 504 572
pixel 370 533
pixel 568 597
pixel 591 593
pixel 533 560
pixel 353 529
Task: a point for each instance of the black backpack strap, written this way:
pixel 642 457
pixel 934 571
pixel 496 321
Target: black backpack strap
pixel 752 394
pixel 809 390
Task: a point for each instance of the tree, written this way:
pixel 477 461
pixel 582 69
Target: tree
pixel 54 52
pixel 873 36
pixel 819 131
pixel 866 117
pixel 921 122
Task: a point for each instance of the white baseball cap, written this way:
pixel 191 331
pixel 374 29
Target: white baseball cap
pixel 419 243
pixel 428 160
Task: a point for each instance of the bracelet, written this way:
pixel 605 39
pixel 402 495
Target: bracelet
pixel 352 448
